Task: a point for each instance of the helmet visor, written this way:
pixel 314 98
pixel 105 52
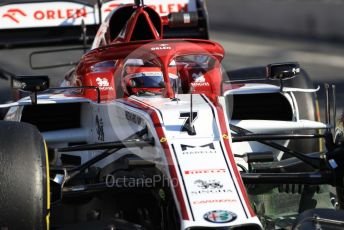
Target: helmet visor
pixel 149 80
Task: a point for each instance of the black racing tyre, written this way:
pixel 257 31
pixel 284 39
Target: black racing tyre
pixel 308 110
pixel 24 178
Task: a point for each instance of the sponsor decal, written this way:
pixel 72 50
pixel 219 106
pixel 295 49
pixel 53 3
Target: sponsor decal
pixel 220 216
pixel 62 13
pixel 214 201
pixel 210 191
pixel 162 47
pixel 208 184
pixel 200 84
pixel 45 14
pixel 14 15
pixel 186 116
pixel 204 171
pixel 52 14
pixel 162 8
pixel 134 118
pixel 18 84
pixel 111 7
pixel 186 147
pixel 203 149
pixel 209 187
pixel 225 136
pixel 100 128
pixel 163 139
pixel 199 80
pixel 103 84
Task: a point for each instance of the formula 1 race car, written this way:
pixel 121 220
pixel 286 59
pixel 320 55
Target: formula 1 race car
pixel 150 133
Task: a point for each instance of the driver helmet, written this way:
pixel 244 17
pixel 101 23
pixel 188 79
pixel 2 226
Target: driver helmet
pixel 148 83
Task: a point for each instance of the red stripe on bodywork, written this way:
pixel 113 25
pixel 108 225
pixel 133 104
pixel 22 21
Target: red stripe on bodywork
pixel 230 155
pixel 158 128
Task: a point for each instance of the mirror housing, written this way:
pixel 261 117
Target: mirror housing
pixel 31 84
pixel 282 71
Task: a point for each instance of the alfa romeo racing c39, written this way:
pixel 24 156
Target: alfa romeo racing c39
pixel 148 132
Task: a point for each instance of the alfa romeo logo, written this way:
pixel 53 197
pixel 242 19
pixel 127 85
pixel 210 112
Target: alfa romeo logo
pixel 220 216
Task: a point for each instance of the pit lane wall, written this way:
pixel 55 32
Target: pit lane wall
pixel 318 19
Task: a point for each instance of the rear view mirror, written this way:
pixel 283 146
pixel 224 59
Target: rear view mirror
pixel 282 71
pixel 31 84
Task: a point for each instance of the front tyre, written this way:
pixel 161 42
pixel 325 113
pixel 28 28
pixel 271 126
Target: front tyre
pixel 24 177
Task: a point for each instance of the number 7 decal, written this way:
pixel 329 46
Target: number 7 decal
pixel 188 122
